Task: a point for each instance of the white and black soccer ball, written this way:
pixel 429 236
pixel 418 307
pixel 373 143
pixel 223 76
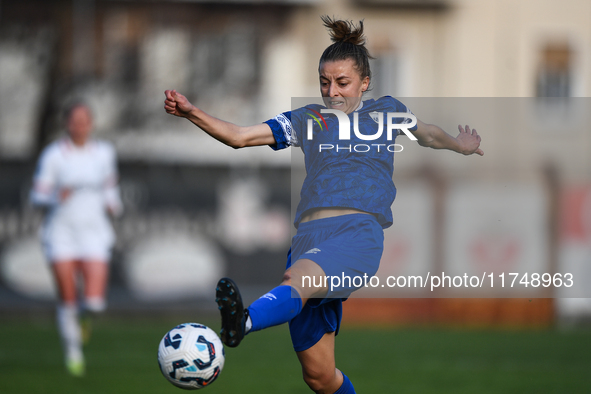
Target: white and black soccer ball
pixel 191 356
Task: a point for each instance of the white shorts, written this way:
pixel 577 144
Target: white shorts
pixel 91 240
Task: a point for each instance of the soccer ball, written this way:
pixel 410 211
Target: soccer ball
pixel 191 356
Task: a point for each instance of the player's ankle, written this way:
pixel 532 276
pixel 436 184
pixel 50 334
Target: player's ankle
pixel 248 324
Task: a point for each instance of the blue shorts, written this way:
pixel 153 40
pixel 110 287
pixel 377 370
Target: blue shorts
pixel 344 247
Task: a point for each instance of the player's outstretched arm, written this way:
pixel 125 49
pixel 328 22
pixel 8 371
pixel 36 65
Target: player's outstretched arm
pixel 225 132
pixel 467 142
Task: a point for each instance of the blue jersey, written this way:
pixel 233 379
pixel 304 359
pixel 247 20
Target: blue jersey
pixel 350 170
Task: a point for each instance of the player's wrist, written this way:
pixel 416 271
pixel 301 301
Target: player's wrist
pixel 193 114
pixel 457 146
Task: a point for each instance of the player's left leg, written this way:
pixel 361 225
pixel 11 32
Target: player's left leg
pixel 96 276
pixel 95 273
pixel 318 366
pixel 319 370
pixel 313 334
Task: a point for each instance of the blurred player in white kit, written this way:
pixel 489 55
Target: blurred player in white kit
pixel 76 181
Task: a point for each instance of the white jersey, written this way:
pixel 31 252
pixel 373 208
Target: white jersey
pixel 77 227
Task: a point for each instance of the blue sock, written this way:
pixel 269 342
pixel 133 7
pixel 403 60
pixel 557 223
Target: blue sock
pixel 278 306
pixel 346 387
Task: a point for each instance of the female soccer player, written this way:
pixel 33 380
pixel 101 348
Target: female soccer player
pixel 345 201
pixel 76 180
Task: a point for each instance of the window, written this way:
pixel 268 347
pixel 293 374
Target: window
pixel 386 73
pixel 554 72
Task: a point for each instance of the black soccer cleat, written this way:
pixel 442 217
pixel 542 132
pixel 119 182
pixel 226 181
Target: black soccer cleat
pixel 234 316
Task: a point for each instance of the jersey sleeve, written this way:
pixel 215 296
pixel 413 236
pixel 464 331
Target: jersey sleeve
pixel 44 191
pixel 283 131
pixel 400 107
pixel 407 120
pixel 111 192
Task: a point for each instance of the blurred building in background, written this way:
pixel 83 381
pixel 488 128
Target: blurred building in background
pixel 518 71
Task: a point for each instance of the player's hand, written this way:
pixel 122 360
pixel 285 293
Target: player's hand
pixel 114 212
pixel 469 141
pixel 64 194
pixel 177 104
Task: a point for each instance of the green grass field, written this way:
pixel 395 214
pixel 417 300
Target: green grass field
pixel 121 358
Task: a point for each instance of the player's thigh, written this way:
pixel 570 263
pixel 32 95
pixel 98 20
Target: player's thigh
pixel 307 278
pixel 96 275
pixel 64 272
pixel 320 357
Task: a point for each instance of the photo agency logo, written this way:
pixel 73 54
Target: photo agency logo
pixel 396 122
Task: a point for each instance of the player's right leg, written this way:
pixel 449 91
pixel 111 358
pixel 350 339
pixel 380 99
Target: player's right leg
pixel 278 306
pixel 234 316
pixel 64 272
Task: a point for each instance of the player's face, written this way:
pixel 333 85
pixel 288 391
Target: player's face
pixel 80 125
pixel 341 85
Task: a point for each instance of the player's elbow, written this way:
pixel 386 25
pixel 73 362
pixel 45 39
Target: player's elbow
pixel 427 135
pixel 238 139
pixel 425 142
pixel 38 199
pixel 237 143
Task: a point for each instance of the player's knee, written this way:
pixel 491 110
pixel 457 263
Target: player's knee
pixel 296 291
pixel 320 380
pixel 286 278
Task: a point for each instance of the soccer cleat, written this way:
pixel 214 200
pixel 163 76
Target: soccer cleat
pixel 76 367
pixel 232 310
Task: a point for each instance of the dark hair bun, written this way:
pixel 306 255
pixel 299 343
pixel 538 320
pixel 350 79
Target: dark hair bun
pixel 344 31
